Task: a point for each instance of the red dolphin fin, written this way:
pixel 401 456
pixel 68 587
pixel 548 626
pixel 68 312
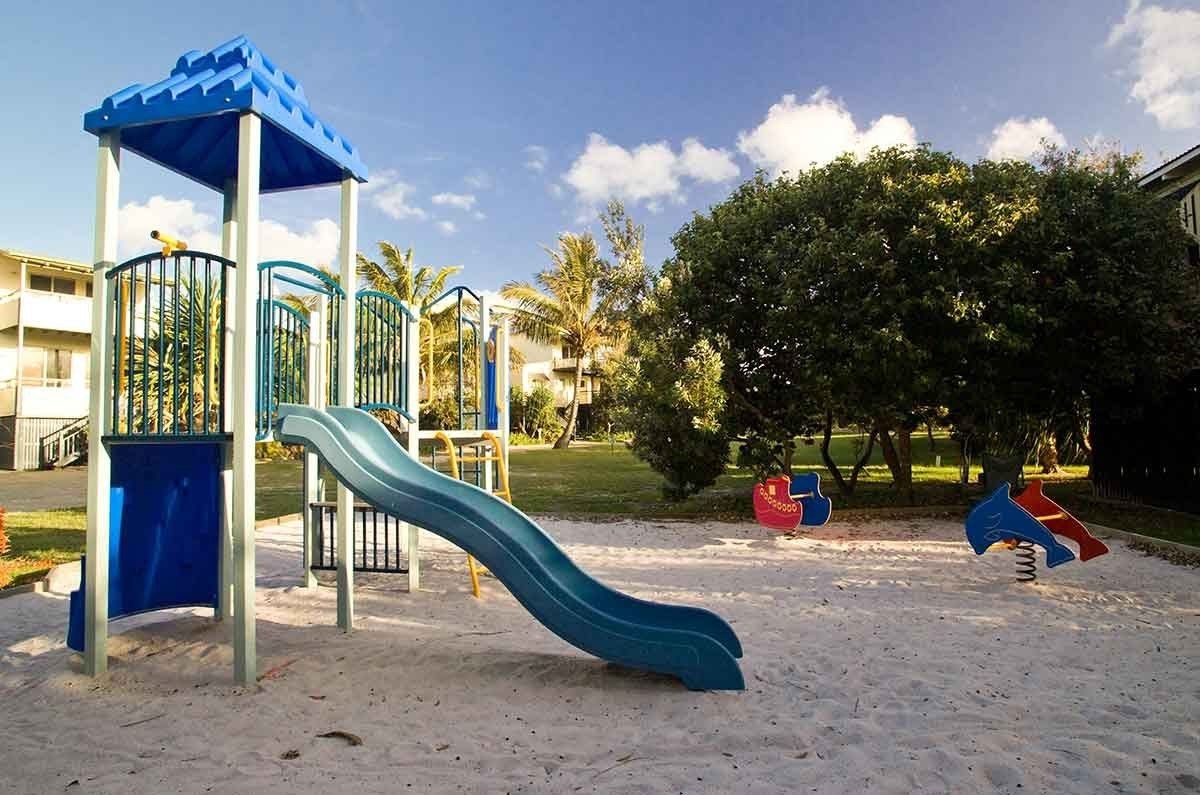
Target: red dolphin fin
pixel 1058 521
pixel 774 507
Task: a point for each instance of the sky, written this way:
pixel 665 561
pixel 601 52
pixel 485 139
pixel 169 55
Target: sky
pixel 491 128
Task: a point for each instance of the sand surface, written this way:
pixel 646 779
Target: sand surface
pixel 879 658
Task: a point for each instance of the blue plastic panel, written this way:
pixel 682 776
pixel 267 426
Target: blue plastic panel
pixel 491 405
pixel 164 534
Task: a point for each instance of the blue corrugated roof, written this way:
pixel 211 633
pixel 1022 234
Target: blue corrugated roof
pixel 188 122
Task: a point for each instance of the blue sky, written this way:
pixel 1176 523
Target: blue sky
pixel 489 128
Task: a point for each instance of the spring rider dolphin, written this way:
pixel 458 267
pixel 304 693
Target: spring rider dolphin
pixel 998 519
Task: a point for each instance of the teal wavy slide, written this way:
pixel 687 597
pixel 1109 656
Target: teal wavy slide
pixel 688 642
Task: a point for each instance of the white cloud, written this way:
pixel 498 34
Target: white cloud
pixel 554 189
pixel 536 158
pixel 447 227
pixel 647 173
pixel 463 201
pixel 176 217
pixel 315 245
pixel 706 165
pixel 391 196
pixel 478 216
pixel 1165 62
pixel 479 180
pixel 1021 139
pixel 795 136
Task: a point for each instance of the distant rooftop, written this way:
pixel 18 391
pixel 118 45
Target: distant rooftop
pixel 187 122
pixel 1176 176
pixel 46 262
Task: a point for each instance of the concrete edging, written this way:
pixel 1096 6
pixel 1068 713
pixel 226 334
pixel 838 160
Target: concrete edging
pixel 278 520
pixel 38 586
pixel 1125 535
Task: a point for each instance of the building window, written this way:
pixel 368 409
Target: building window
pixel 52 284
pixel 88 289
pixel 45 366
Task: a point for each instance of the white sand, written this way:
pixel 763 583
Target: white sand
pixel 875 663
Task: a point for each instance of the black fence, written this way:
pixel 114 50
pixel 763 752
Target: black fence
pixel 377 538
pixel 1146 448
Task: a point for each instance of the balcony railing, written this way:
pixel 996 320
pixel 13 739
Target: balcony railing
pixel 51 311
pixel 44 397
pixel 590 363
pixel 562 399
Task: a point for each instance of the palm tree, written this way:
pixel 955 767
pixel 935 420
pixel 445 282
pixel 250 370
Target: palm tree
pixel 571 309
pixel 397 276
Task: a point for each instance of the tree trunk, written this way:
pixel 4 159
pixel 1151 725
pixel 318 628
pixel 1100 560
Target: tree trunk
pixel 830 465
pixel 898 456
pixel 1048 456
pixel 845 487
pixel 573 409
pixel 904 454
pixel 889 452
pixel 862 462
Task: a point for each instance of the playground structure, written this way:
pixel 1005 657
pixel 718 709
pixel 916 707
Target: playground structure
pixel 786 502
pixel 1031 518
pixel 195 357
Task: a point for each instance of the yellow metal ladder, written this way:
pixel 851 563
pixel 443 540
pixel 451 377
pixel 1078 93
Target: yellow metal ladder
pixel 490 440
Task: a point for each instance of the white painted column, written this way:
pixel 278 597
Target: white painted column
pixel 228 251
pixel 245 368
pixel 347 253
pixel 19 388
pixel 485 324
pixel 503 386
pixel 316 398
pixel 104 257
pixel 412 360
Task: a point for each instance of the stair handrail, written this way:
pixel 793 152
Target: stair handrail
pixel 53 446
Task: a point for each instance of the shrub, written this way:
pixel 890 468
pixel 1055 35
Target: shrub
pixel 277 451
pixel 3 534
pixel 673 404
pixel 533 412
pixel 440 414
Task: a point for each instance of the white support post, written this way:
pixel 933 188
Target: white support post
pixel 108 181
pixel 316 398
pixel 347 253
pixel 485 329
pixel 503 385
pixel 412 360
pixel 228 251
pixel 18 440
pixel 245 368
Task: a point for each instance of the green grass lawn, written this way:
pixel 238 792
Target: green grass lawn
pixel 39 540
pixel 602 482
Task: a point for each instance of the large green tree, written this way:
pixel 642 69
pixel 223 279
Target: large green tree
pixel 908 287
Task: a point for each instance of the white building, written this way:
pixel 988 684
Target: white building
pixel 553 366
pixel 45 339
pixel 1179 178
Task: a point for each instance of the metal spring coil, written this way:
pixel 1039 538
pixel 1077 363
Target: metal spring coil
pixel 1026 562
